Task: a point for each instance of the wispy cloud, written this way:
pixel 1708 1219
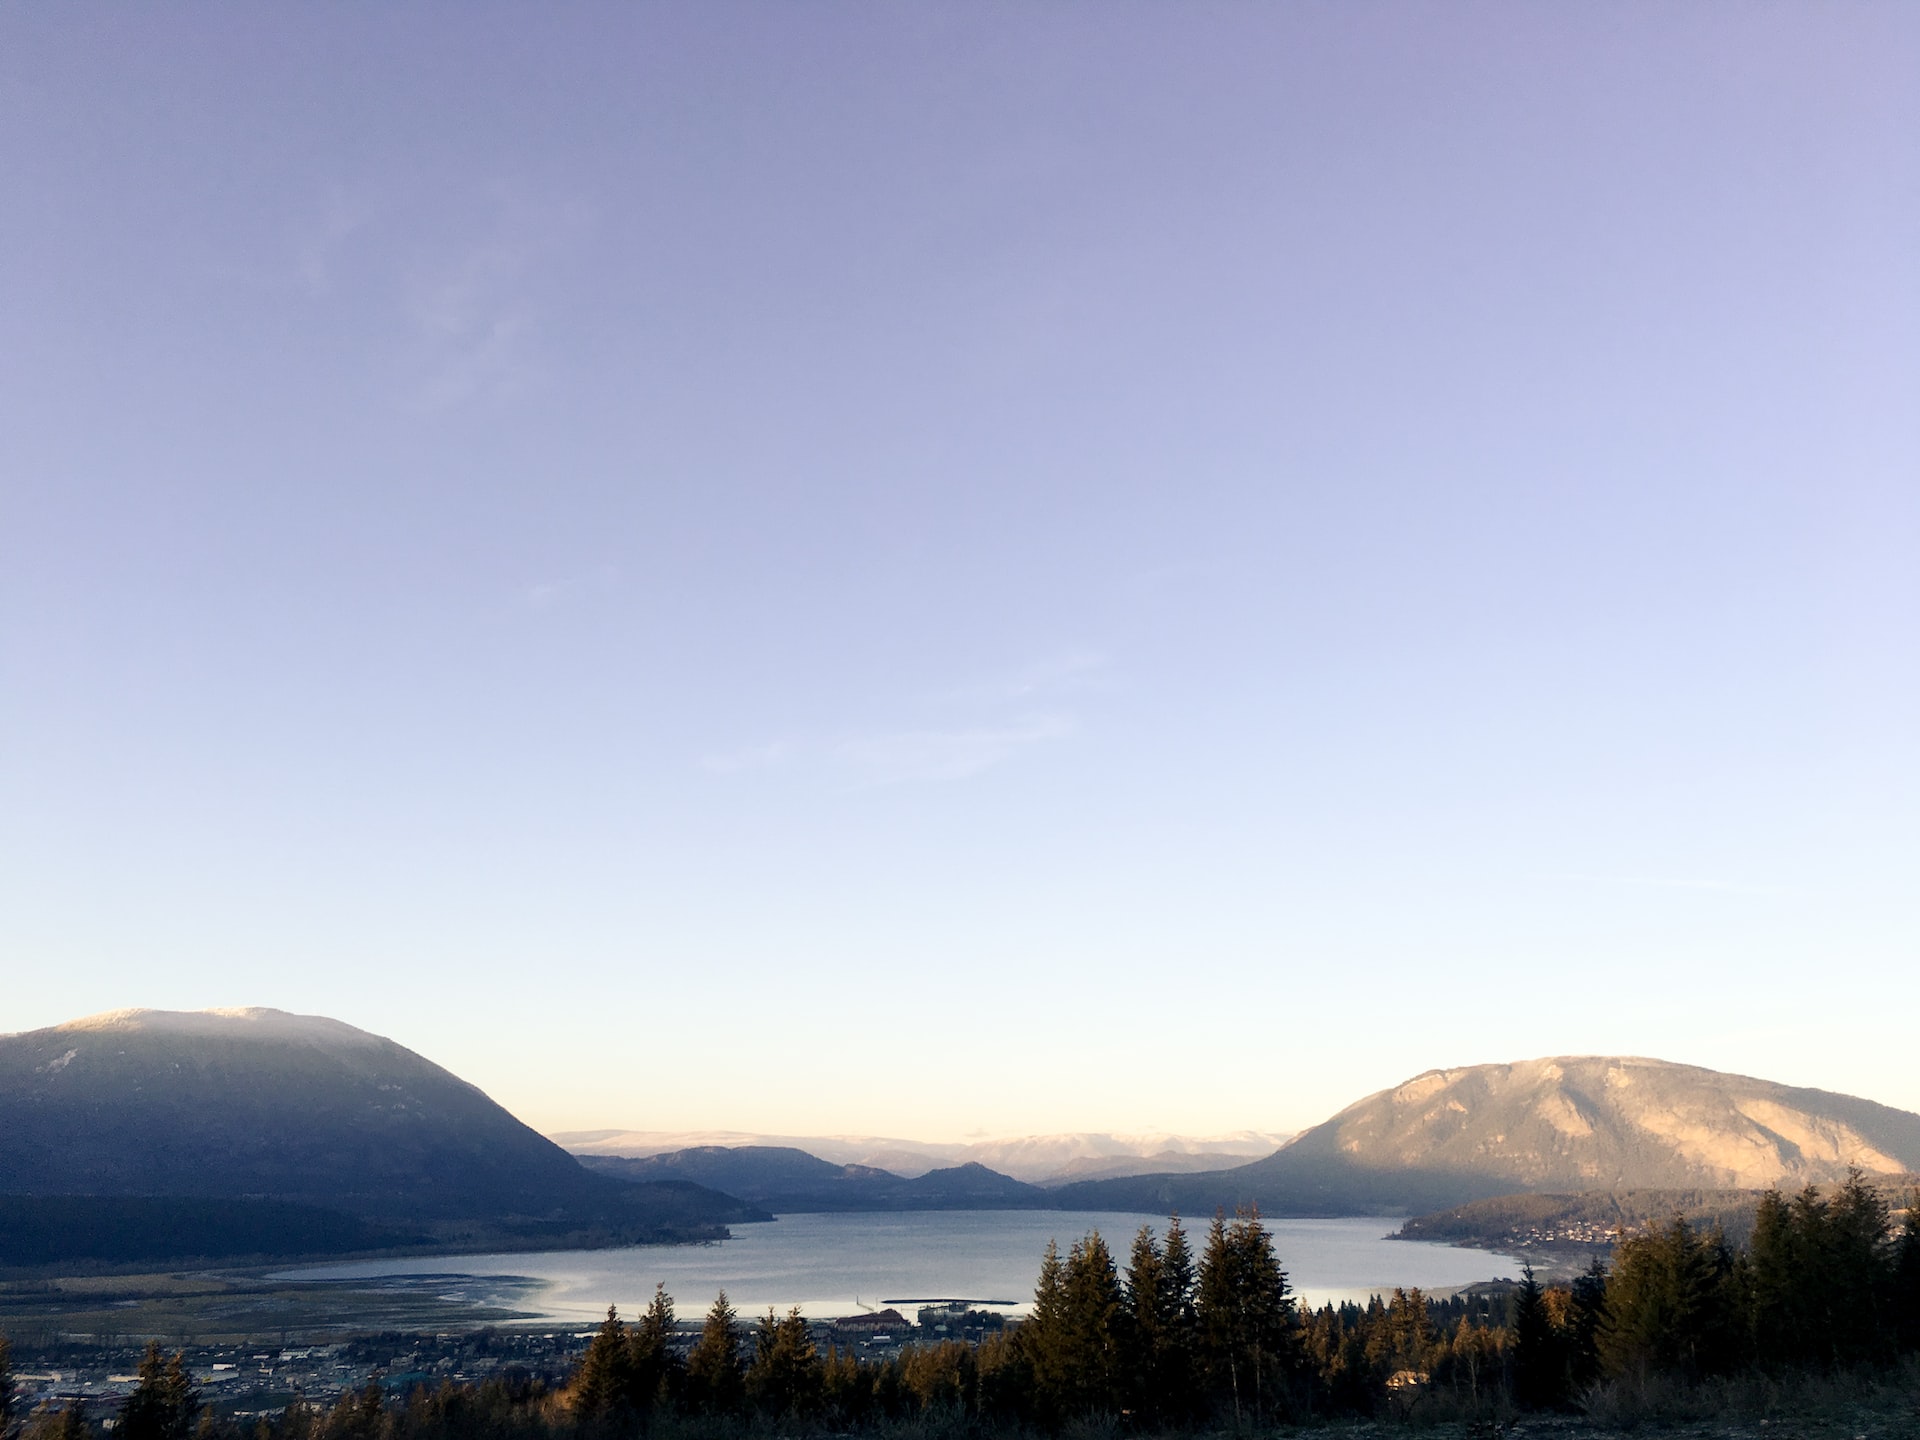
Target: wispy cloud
pixel 473 306
pixel 545 594
pixel 1012 712
pixel 946 754
pixel 754 757
pixel 1054 675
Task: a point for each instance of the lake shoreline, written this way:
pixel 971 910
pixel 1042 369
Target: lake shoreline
pixel 839 1265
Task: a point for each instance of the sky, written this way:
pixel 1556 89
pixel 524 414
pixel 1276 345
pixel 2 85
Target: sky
pixel 959 570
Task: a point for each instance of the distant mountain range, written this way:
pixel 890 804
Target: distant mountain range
pixel 1573 1124
pixel 783 1179
pixel 249 1106
pixel 125 1134
pixel 1044 1160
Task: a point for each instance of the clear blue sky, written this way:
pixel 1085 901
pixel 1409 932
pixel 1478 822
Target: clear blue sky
pixel 937 569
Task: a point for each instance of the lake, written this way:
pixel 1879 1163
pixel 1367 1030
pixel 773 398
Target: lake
pixel 837 1264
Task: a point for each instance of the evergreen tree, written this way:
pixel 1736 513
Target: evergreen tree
pixel 1539 1368
pixel 1403 1340
pixel 785 1378
pixel 1820 1278
pixel 1075 1336
pixel 1096 1326
pixel 1244 1309
pixel 69 1422
pixel 164 1403
pixel 1589 1300
pixel 358 1415
pixel 651 1362
pixel 1214 1314
pixel 1776 1279
pixel 713 1365
pixel 1160 1326
pixel 1044 1339
pixel 1906 1278
pixel 1858 1261
pixel 942 1377
pixel 1142 1287
pixel 1003 1372
pixel 1179 1329
pixel 1670 1304
pixel 602 1384
pixel 1475 1361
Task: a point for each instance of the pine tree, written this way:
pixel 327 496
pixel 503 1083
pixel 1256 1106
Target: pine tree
pixel 1858 1261
pixel 1074 1337
pixel 183 1398
pixel 1244 1309
pixel 1003 1372
pixel 1160 1342
pixel 1906 1278
pixel 713 1365
pixel 1539 1369
pixel 1775 1274
pixel 1145 1272
pixel 602 1383
pixel 1583 1340
pixel 1214 1310
pixel 69 1422
pixel 143 1416
pixel 1096 1321
pixel 651 1363
pixel 1408 1332
pixel 785 1378
pixel 1177 1358
pixel 358 1415
pixel 1671 1304
pixel 163 1404
pixel 1044 1340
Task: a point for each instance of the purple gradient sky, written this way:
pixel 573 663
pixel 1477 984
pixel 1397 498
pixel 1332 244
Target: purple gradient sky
pixel 1165 566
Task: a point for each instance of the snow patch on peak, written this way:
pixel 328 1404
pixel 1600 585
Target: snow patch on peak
pixel 253 1022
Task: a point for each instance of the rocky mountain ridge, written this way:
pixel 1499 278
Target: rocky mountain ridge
pixel 1560 1124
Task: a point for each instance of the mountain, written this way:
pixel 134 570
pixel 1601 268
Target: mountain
pixel 898 1157
pixel 1058 1159
pixel 788 1180
pixel 1164 1162
pixel 263 1105
pixel 1036 1159
pixel 1573 1123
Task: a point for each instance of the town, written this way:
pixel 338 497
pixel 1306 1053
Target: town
pixel 246 1382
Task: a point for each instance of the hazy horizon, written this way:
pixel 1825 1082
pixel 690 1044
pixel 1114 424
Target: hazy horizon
pixel 968 570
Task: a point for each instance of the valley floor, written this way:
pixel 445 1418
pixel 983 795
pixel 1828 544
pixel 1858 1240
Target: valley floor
pixel 214 1307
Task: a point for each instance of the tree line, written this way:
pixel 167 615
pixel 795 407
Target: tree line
pixel 1172 1341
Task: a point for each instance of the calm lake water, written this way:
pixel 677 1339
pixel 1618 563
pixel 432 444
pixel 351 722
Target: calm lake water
pixel 836 1264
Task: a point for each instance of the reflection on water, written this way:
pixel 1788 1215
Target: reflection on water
pixel 841 1264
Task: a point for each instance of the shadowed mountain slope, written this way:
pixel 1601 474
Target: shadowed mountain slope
pixel 1568 1124
pixel 260 1104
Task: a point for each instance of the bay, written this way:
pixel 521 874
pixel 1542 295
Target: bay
pixel 832 1265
